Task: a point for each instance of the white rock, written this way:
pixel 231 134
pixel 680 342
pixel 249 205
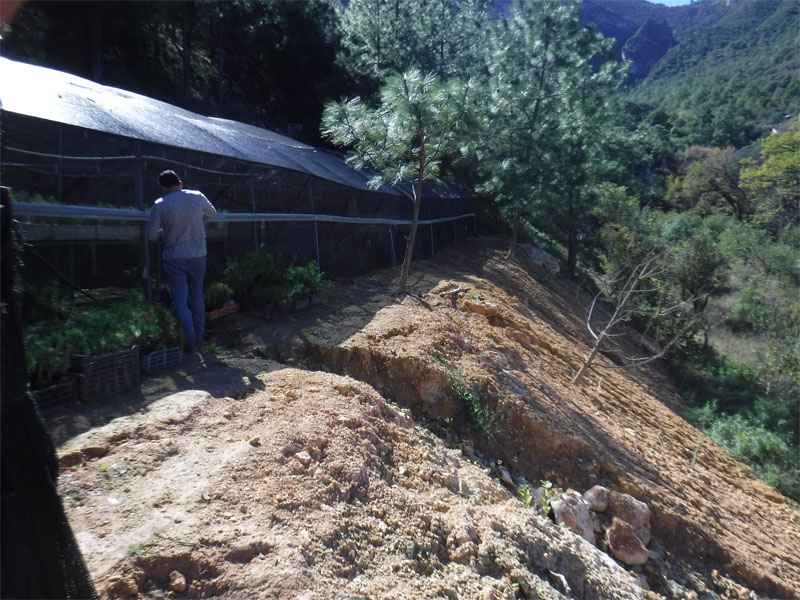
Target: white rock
pixel 598 498
pixel 505 476
pixel 571 509
pixel 632 511
pixel 625 544
pixel 177 582
pixel 544 259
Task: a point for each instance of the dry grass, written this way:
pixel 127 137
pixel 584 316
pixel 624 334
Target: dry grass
pixel 740 347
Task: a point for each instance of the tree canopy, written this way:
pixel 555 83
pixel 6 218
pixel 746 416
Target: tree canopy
pixel 404 138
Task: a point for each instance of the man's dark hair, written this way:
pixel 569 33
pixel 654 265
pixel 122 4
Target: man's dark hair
pixel 168 179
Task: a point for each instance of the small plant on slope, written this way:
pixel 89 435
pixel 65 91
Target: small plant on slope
pixel 470 395
pixel 545 495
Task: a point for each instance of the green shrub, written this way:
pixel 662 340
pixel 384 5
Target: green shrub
pixel 756 423
pixel 251 272
pixel 217 294
pixel 748 441
pixel 260 277
pixel 40 302
pixel 770 456
pixel 471 396
pixel 304 280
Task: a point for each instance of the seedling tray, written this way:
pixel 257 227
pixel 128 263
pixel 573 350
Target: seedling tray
pixel 60 394
pixel 161 359
pixel 106 374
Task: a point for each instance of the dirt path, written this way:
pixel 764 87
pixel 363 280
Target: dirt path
pixel 328 456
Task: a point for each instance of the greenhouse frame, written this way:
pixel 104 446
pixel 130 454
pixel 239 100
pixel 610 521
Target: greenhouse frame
pixel 82 161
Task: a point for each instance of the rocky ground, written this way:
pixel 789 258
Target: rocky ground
pixel 385 446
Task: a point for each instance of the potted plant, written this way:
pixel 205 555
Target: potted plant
pixel 218 297
pixel 254 279
pixel 99 342
pixel 268 290
pixel 303 283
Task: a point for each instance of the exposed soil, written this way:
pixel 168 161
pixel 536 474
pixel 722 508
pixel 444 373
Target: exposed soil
pixel 327 455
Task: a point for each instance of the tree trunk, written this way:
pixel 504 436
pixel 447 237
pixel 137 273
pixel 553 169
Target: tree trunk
pixel 572 234
pixel 572 251
pixel 515 232
pixel 415 202
pixel 589 359
pixel 412 237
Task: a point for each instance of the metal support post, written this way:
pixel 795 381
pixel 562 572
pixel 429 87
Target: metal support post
pixel 60 163
pixel 316 226
pixel 252 184
pixel 138 184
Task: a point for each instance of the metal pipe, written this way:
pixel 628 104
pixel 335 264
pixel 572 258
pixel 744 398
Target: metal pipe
pixel 64 211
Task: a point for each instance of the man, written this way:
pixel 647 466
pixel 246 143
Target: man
pixel 180 215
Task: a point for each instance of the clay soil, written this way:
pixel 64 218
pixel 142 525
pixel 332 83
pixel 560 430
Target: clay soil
pixel 329 455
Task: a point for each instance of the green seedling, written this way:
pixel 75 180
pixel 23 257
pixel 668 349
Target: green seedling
pixel 471 396
pixel 135 549
pixel 547 497
pixel 528 496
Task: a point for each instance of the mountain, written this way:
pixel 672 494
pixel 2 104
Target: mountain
pixel 610 23
pixel 653 28
pixel 647 46
pixel 683 20
pixel 736 62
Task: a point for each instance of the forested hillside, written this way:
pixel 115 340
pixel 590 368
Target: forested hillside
pixel 673 201
pixel 733 73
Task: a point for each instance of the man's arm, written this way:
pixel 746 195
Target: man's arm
pixel 208 210
pixel 154 224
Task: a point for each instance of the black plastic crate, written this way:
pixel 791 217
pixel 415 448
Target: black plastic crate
pixel 106 374
pixel 161 359
pixel 63 393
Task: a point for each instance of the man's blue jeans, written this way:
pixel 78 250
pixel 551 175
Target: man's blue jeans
pixel 185 280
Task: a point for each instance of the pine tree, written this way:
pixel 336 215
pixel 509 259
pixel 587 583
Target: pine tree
pixel 404 138
pixel 540 65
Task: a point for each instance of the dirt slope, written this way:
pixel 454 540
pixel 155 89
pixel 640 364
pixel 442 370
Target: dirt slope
pixel 327 456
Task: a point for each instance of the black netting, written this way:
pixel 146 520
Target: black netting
pixel 39 557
